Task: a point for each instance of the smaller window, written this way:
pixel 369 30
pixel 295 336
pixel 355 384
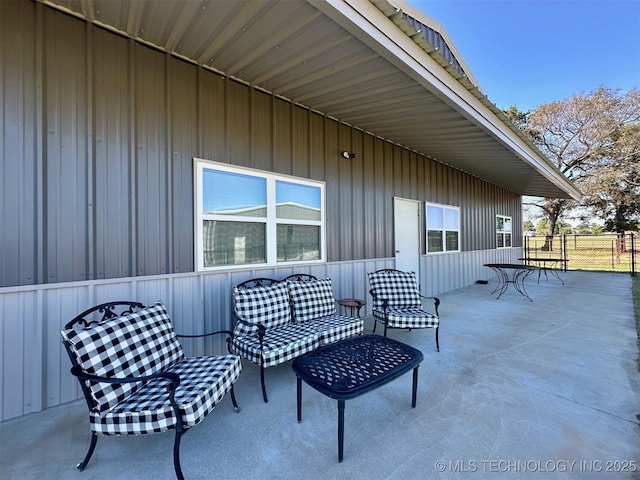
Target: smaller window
pixel 443 228
pixel 503 231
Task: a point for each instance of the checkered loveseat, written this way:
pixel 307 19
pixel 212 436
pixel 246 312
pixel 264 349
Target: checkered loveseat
pixel 279 320
pixel 397 302
pixel 135 376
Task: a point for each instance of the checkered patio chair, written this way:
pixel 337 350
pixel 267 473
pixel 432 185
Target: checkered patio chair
pixel 135 376
pixel 397 302
pixel 261 305
pixel 279 320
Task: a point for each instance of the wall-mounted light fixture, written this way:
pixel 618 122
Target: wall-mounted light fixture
pixel 348 155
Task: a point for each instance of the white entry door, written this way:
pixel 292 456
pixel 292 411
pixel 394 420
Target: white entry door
pixel 406 214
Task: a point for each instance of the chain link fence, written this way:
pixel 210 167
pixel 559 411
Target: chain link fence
pixel 607 252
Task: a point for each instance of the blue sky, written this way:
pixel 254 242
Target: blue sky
pixel 527 53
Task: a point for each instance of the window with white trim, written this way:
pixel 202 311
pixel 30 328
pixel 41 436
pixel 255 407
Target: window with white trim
pixel 252 217
pixel 443 228
pixel 503 231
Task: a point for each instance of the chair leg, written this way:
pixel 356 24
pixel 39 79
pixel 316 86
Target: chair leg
pixel 437 342
pixel 87 457
pixel 375 324
pixel 176 454
pixel 233 399
pixel 264 388
pixel 385 329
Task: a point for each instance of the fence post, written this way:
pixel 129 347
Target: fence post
pixel 633 254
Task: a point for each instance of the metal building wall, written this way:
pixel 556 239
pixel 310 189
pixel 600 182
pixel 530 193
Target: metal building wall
pixel 98 140
pixel 98 136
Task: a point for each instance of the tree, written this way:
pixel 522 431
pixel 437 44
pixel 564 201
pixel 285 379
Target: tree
pixel 613 191
pixel 527 226
pixel 561 228
pixel 577 134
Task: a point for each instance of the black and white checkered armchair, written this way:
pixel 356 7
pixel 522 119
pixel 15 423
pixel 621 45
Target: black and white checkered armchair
pixel 135 376
pixel 397 302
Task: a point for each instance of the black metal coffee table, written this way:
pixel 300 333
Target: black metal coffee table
pixel 349 368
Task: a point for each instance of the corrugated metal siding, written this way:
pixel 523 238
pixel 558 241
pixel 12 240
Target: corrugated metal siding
pixel 97 168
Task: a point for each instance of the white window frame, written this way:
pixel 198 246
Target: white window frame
pixel 270 220
pixel 444 229
pixel 504 232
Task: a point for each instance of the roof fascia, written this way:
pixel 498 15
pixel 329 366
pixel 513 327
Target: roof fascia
pixel 365 21
pixel 437 27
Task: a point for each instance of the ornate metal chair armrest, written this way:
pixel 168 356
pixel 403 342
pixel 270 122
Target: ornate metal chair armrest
pixel 436 301
pixel 228 333
pixel 172 377
pixel 262 330
pixel 385 301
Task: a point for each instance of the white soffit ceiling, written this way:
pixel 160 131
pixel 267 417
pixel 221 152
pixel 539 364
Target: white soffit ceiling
pixel 353 60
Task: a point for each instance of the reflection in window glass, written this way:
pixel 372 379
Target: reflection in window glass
pixel 503 231
pixel 230 193
pixel 298 242
pixel 452 241
pixel 451 219
pixel 233 243
pixel 297 201
pixel 434 241
pixel 435 217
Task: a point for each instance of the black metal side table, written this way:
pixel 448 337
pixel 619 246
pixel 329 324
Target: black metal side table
pixel 349 368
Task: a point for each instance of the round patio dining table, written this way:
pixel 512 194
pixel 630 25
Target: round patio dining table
pixel 511 273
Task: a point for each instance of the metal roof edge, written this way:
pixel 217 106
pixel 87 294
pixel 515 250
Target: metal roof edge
pixel 394 14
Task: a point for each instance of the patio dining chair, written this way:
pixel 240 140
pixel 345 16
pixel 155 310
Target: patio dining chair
pixel 397 302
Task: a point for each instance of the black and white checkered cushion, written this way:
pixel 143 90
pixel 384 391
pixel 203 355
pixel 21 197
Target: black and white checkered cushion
pixel 399 288
pixel 203 383
pixel 407 317
pixel 280 344
pixel 133 345
pixel 311 299
pixel 266 305
pixel 337 327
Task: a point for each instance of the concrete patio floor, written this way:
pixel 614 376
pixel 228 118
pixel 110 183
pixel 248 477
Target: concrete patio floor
pixel 520 389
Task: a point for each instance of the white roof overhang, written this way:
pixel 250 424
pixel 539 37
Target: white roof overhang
pixel 356 61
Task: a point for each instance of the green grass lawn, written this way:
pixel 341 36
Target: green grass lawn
pixel 603 253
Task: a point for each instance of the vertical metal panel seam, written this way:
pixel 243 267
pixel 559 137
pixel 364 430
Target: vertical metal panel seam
pixel 91 211
pixel 41 314
pixel 169 197
pixel 199 118
pixel 225 96
pixel 133 163
pixel 41 211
